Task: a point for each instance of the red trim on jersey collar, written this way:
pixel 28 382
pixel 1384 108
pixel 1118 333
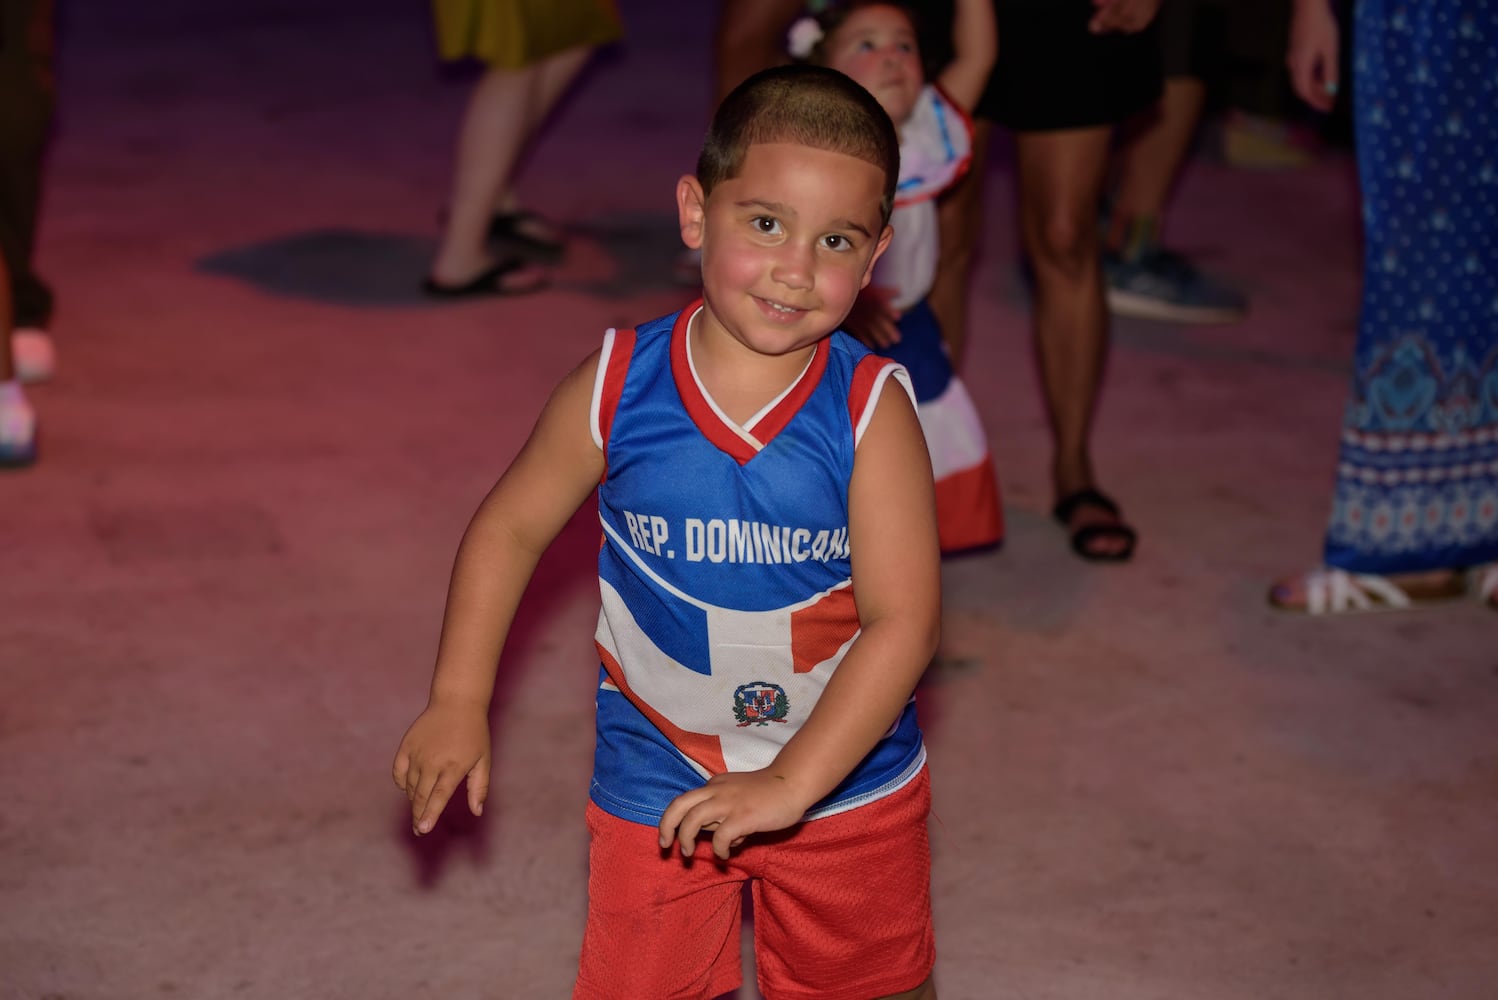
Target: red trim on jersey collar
pixel 714 427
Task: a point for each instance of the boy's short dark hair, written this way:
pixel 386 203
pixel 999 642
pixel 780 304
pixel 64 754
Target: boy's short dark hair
pixel 806 105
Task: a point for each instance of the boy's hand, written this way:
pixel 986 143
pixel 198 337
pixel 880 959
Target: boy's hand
pixel 873 320
pixel 444 745
pixel 732 805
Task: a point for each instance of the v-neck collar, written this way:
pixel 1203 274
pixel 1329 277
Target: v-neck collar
pixel 741 442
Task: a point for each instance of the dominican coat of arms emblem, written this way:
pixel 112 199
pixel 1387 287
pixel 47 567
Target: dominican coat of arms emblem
pixel 760 703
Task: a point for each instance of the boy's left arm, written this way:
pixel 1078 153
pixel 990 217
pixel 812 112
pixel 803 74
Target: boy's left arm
pixel 897 585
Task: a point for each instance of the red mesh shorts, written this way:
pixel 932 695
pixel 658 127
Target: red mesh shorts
pixel 842 908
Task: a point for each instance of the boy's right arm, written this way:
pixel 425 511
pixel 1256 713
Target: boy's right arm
pixel 556 470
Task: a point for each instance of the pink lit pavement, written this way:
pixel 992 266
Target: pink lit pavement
pixel 222 586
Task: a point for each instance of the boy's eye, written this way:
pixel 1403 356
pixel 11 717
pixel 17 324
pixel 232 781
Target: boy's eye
pixel 837 241
pixel 766 225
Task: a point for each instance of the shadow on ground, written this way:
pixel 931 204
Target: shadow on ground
pixel 613 257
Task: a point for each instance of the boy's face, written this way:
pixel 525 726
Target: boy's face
pixel 877 47
pixel 786 244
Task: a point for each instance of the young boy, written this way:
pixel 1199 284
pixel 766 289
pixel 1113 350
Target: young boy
pixel 770 583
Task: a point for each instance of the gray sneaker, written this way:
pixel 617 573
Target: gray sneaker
pixel 1159 284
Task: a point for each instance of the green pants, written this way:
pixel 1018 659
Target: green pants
pixel 26 101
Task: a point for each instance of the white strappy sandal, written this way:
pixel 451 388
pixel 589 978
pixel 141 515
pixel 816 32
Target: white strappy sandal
pixel 1331 591
pixel 1487 585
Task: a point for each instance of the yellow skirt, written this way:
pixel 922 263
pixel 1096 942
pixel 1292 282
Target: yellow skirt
pixel 513 34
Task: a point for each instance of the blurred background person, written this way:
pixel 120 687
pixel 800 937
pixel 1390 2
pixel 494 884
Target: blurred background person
pixel 1068 72
pixel 27 97
pixel 533 50
pixel 877 44
pixel 1146 279
pixel 749 37
pixel 1415 506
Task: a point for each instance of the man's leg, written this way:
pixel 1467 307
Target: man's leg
pixel 1144 278
pixel 1150 162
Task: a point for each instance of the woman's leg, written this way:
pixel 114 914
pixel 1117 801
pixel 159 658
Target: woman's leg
pixel 1061 177
pixel 503 112
pixel 552 78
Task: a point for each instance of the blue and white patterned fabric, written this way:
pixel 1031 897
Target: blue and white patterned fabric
pixel 1417 480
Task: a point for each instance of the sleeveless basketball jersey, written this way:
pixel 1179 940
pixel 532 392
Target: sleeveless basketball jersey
pixel 724 571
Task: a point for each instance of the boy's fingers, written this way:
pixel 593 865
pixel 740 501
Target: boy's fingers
pixel 686 834
pixel 412 780
pixel 398 772
pixel 478 786
pixel 691 826
pixel 724 840
pixel 423 788
pixel 434 803
pixel 667 826
pixel 704 816
pixel 675 812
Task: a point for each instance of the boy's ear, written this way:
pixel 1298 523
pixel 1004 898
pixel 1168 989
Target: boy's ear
pixel 879 248
pixel 691 210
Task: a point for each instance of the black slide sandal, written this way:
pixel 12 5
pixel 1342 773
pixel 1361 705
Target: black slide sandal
pixel 1082 538
pixel 490 281
pixel 510 227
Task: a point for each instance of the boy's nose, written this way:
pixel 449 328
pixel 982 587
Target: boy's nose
pixel 794 266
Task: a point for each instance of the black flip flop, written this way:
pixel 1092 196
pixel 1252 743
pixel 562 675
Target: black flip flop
pixel 1082 538
pixel 509 227
pixel 490 281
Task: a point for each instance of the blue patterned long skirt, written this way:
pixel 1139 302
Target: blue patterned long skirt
pixel 1417 481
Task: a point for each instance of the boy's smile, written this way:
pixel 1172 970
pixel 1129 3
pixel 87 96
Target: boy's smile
pixel 786 245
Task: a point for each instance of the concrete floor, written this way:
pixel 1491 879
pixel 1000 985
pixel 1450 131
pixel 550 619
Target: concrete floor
pixel 222 585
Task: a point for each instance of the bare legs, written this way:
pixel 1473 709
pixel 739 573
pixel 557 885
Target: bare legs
pixel 959 220
pixel 1060 182
pixel 7 321
pixel 1152 158
pixel 506 108
pixel 750 37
